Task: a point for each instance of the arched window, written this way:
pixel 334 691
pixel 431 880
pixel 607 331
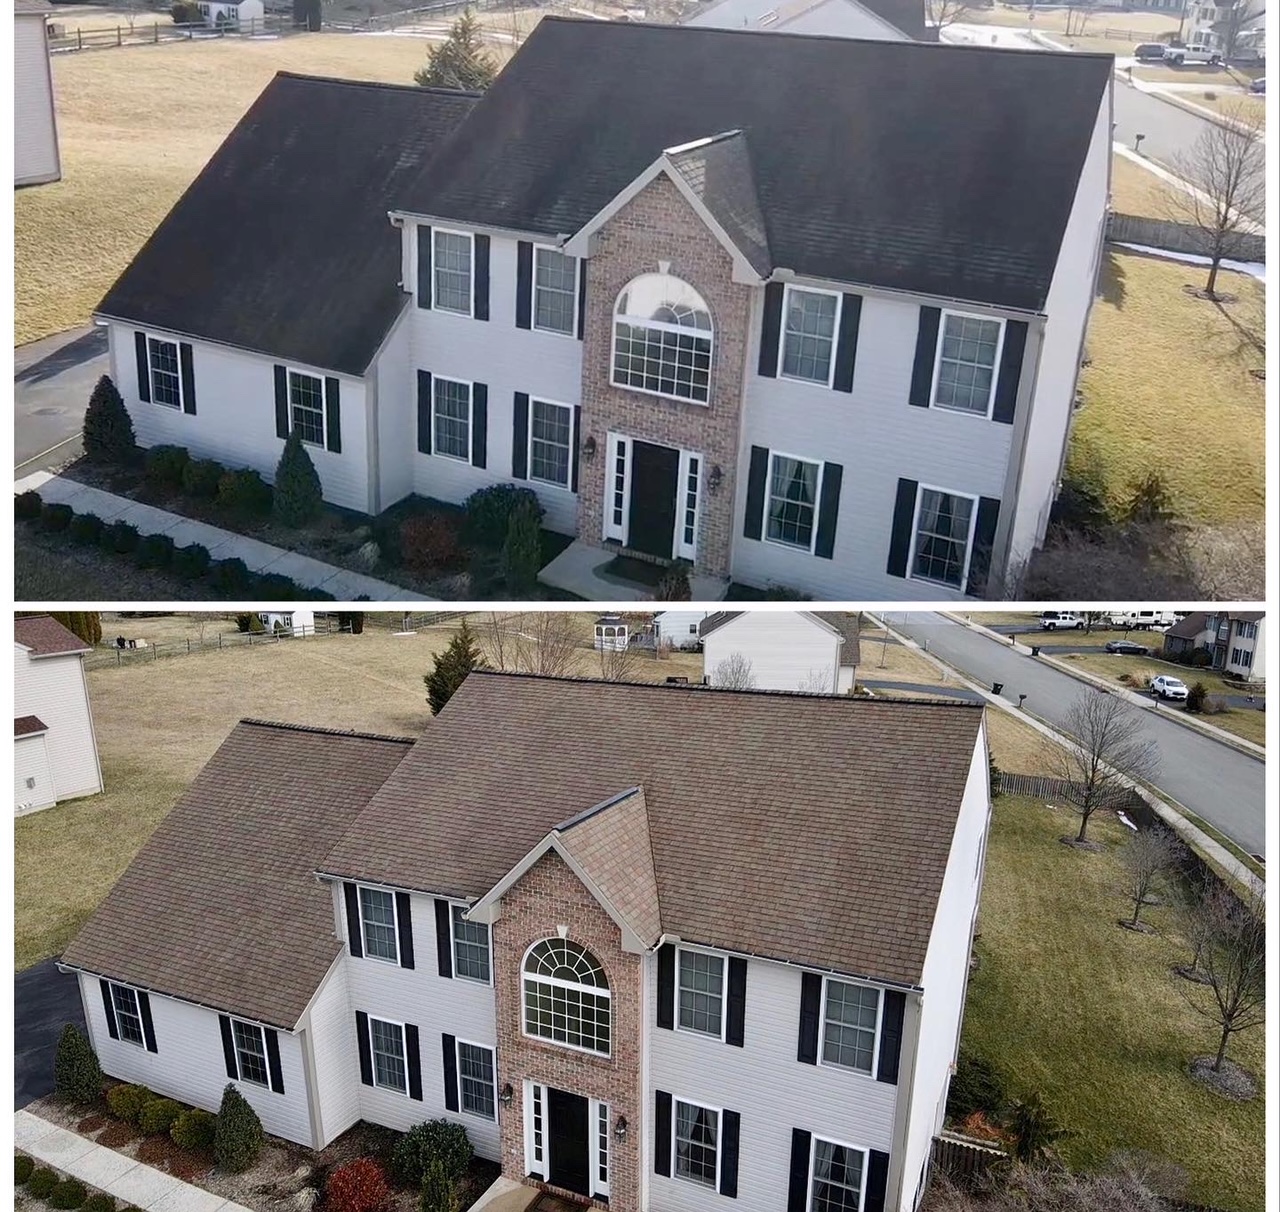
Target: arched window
pixel 566 995
pixel 662 339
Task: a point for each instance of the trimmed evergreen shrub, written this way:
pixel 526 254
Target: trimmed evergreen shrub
pixel 158 1116
pixel 22 1167
pixel 86 528
pixel 154 551
pixel 56 518
pixel 108 430
pixel 439 1191
pixel 194 1129
pixel 297 498
pixel 69 1193
pixel 201 477
pixel 522 551
pixel 230 578
pixel 237 1138
pixel 165 466
pixel 276 587
pixel 41 1182
pixel 126 1101
pixel 99 1203
pixel 27 505
pixel 244 493
pixel 76 1073
pixel 191 562
pixel 489 512
pixel 359 1186
pixel 433 1140
pixel 120 537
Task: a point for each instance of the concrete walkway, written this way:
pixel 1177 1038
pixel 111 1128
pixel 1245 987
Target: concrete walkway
pixel 579 569
pixel 97 1166
pixel 345 585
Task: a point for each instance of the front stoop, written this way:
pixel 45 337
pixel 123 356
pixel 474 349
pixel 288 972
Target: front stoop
pixel 506 1195
pixel 577 569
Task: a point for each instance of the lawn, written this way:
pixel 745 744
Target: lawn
pixel 99 17
pixel 135 127
pixel 1091 1017
pixel 1159 356
pixel 1231 104
pixel 1144 27
pixel 1136 190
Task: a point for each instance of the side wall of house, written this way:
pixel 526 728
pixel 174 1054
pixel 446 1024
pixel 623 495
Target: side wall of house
pixel 35 131
pixel 393 416
pixel 674 625
pixel 54 689
pixel 336 1057
pixel 787 651
pixel 31 761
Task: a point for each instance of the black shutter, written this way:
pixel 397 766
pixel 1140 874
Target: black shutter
pixel 877 1181
pixel 333 415
pixel 148 1027
pixel 810 1012
pixel 576 438
pixel 895 1004
pixel 582 298
pixel 1015 344
pixel 144 367
pixel 798 1185
pixel 847 344
pixel 354 940
pixel 413 1061
pixel 736 1016
pixel 109 1009
pixel 188 378
pixel 449 1053
pixel 926 354
pixel 753 523
pixel 667 986
pixel 444 938
pixel 984 539
pixel 282 403
pixel 228 1048
pixel 904 513
pixel 771 329
pixel 662 1133
pixel 424 411
pixel 366 1051
pixel 424 266
pixel 480 280
pixel 520 437
pixel 479 424
pixel 729 1121
pixel 273 1060
pixel 404 929
pixel 828 511
pixel 524 284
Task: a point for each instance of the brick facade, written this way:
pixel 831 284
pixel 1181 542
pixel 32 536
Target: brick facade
pixel 547 897
pixel 658 224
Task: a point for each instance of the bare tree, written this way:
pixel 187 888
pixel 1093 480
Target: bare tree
pixel 1108 745
pixel 553 647
pixel 942 13
pixel 734 673
pixel 816 681
pixel 1238 17
pixel 498 641
pixel 1147 857
pixel 1078 14
pixel 1226 167
pixel 1022 1188
pixel 618 664
pixel 1201 914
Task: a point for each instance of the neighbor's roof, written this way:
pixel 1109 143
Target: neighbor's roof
pixel 283 239
pixel 221 906
pixel 841 622
pixel 906 16
pixel 45 636
pixel 879 163
pixel 29 725
pixel 1190 627
pixel 807 828
pixel 30 8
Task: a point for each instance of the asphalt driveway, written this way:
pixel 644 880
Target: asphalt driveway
pixel 52 381
pixel 44 1001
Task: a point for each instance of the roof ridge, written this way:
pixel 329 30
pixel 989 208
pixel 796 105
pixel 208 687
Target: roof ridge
pixel 436 90
pixel 352 733
pixel 587 813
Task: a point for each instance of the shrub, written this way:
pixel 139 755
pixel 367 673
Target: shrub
pixel 276 587
pixel 76 1073
pixel 230 578
pixel 489 512
pixel 27 505
pixel 1197 693
pixel 41 1182
pixel 244 492
pixel 99 1203
pixel 158 1116
pixel 439 1191
pixel 242 622
pixel 165 466
pixel 120 537
pixel 126 1102
pixel 154 551
pixel 359 1186
pixel 434 1139
pixel 237 1137
pixel 977 1086
pixel 195 1130
pixel 201 477
pixel 674 586
pixel 87 528
pixel 191 562
pixel 22 1167
pixel 450 669
pixel 69 1193
pixel 522 550
pixel 429 542
pixel 298 499
pixel 56 518
pixel 186 12
pixel 1201 658
pixel 108 430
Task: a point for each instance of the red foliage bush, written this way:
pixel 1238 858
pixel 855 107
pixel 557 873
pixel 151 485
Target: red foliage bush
pixel 359 1186
pixel 429 543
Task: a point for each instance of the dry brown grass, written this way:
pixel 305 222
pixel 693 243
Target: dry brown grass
pixel 101 16
pixel 1136 190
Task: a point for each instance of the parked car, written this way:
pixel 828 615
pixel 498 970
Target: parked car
pixel 1259 85
pixel 1127 648
pixel 1197 52
pixel 1053 620
pixel 1166 687
pixel 1149 52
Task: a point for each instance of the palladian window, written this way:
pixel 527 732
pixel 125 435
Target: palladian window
pixel 566 996
pixel 662 339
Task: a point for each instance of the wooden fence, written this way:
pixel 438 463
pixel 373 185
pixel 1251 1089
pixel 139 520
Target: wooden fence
pixel 962 1160
pixel 1181 237
pixel 142 33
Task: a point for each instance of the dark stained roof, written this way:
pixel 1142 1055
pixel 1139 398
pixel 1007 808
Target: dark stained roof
pixel 904 15
pixel 844 623
pixel 29 725
pixel 875 162
pixel 221 906
pixel 808 828
pixel 1190 627
pixel 283 239
pixel 45 636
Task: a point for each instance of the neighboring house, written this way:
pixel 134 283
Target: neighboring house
pixel 883 20
pixel 563 919
pixel 55 747
pixel 36 159
pixel 679 628
pixel 814 346
pixel 1236 29
pixel 1235 641
pixel 300 621
pixel 808 650
pixel 231 12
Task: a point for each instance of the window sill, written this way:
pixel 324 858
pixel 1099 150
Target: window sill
pixel 825 385
pixel 788 546
pixel 938 584
pixel 962 412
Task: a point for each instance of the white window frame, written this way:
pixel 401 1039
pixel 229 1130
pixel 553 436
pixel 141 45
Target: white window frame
pixel 535 1093
pixel 595 1107
pixel 395 921
pixel 137 1013
pixel 606 993
pixel 404 1055
pixel 457 1067
pixel 470 313
pixel 813 1157
pixel 289 372
pixel 822 1030
pixel 995 369
pixel 436 380
pixel 835 335
pixel 724 992
pixel 567 486
pixel 921 489
pixel 688 551
pixel 659 325
pixel 180 406
pixel 617 444
pixel 453 950
pixel 266 1060
pixel 817 502
pixel 533 294
pixel 675 1127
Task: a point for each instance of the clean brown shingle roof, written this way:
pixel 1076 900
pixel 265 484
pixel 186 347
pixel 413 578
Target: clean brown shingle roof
pixel 807 828
pixel 222 906
pixel 26 725
pixel 45 636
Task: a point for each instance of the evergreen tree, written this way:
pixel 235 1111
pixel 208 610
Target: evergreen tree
pixel 77 1076
pixel 451 668
pixel 85 625
pixel 108 429
pixel 237 1138
pixel 297 499
pixel 459 62
pixel 522 551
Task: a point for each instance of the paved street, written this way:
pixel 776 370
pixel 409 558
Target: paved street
pixel 44 1001
pixel 1218 783
pixel 52 381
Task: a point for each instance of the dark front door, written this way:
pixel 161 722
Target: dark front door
pixel 654 472
pixel 567 1116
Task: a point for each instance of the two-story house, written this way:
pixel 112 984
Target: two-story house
pixel 1235 641
pixel 762 321
pixel 664 946
pixel 813 650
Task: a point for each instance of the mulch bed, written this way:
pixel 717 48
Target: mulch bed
pixel 1189 973
pixel 1136 927
pixel 1087 846
pixel 1231 1081
pixel 186 1164
pixel 117 1134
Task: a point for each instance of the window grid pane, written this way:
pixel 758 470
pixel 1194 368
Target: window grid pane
pixel 453 272
pixel 550 428
pixel 470 947
pixel 659 360
pixel 942 537
pixel 809 337
pixel 566 1015
pixel 388 1055
pixel 555 290
pixel 696 1132
pixel 453 419
pixel 837 1178
pixel 128 1018
pixel 306 403
pixel 475 1079
pixel 251 1053
pixel 966 366
pixel 378 915
pixel 165 380
pixel 619 482
pixel 701 992
pixel 849 1029
pixel 691 503
pixel 793 495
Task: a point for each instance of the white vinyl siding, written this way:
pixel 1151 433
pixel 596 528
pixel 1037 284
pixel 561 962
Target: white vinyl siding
pixel 32 776
pixel 336 1055
pixel 55 689
pixel 787 649
pixel 35 133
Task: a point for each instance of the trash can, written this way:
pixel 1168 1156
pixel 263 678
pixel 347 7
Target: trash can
pixel 1035 649
pixel 997 687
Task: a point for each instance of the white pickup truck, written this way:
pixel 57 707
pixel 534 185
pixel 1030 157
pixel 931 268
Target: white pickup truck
pixel 1197 52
